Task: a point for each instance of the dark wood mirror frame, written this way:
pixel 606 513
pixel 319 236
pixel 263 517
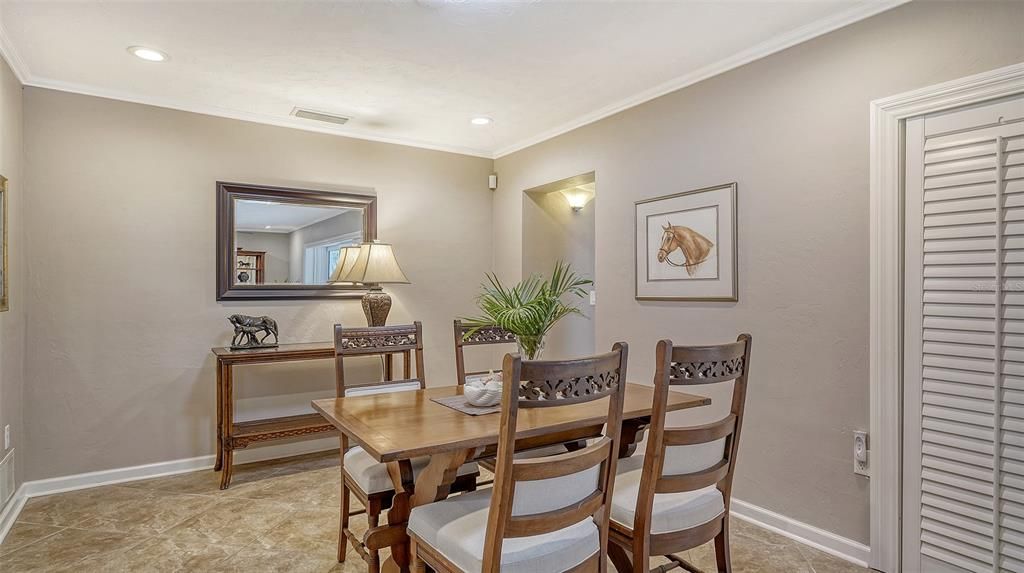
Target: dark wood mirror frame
pixel 227 193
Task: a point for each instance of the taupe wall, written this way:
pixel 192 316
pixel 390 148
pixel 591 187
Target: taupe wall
pixel 553 232
pixel 12 322
pixel 119 355
pixel 792 130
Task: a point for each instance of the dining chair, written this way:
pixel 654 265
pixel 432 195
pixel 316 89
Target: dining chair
pixel 361 475
pixel 470 336
pixel 491 335
pixel 543 514
pixel 676 496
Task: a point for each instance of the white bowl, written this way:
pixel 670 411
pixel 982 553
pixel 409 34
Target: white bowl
pixel 482 395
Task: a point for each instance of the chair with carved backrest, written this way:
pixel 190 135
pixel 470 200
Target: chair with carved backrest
pixel 543 514
pixel 363 476
pixel 676 496
pixel 470 336
pixel 492 335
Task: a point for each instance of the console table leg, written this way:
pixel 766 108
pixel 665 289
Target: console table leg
pixel 225 474
pixel 220 417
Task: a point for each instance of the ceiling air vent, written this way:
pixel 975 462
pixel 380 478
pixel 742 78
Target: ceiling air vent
pixel 320 116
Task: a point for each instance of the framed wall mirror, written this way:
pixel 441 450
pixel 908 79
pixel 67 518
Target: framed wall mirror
pixel 280 243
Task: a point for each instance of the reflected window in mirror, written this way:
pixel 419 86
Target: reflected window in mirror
pixel 288 243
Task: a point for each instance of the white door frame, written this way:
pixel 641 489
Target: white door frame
pixel 886 262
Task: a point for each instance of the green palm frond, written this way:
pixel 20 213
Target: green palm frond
pixel 532 306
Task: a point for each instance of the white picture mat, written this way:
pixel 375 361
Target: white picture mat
pixel 722 287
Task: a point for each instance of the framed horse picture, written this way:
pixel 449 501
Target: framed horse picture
pixel 686 246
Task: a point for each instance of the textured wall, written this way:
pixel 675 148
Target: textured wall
pixel 12 322
pixel 119 352
pixel 792 130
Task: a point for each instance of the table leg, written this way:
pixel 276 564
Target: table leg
pixel 220 417
pixel 433 484
pixel 228 424
pixel 632 434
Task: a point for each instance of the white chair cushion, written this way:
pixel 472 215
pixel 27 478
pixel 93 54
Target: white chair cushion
pixel 672 511
pixel 457 527
pixel 403 386
pixel 372 476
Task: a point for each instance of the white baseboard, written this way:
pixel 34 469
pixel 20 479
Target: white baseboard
pixel 826 541
pixel 841 547
pixel 10 511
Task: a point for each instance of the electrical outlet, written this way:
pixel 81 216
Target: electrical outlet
pixel 7 437
pixel 861 454
pixel 593 298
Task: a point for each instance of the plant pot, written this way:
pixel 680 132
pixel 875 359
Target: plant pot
pixel 530 347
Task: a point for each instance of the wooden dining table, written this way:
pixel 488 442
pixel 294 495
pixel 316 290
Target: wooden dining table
pixel 396 427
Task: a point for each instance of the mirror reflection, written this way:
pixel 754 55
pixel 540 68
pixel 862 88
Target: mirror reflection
pixel 286 243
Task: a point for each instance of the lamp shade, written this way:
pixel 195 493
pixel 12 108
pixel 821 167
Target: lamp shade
pixel 376 263
pixel 346 261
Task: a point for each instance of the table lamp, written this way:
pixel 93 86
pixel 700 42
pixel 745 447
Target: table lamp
pixel 345 263
pixel 375 265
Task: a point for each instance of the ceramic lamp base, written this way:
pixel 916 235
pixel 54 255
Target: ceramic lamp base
pixel 376 306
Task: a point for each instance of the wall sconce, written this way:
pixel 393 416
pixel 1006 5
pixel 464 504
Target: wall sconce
pixel 578 197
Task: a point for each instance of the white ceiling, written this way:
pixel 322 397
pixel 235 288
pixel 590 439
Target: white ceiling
pixel 256 216
pixel 411 72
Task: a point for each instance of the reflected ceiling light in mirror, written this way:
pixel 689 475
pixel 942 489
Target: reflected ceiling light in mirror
pixel 578 197
pixel 148 54
pixel 481 120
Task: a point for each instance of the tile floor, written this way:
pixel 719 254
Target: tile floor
pixel 277 516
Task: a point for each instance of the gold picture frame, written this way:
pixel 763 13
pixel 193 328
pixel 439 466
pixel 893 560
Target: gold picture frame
pixel 5 291
pixel 707 273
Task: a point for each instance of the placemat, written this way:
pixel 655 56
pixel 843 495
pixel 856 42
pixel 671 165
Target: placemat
pixel 458 402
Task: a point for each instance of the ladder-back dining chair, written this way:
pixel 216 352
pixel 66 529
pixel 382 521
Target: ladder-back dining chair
pixel 543 514
pixel 361 475
pixel 676 496
pixel 468 336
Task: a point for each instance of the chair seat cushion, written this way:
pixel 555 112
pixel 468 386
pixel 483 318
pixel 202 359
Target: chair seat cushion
pixel 372 476
pixel 672 511
pixel 457 527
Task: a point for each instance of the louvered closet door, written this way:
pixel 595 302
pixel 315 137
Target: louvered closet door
pixel 963 471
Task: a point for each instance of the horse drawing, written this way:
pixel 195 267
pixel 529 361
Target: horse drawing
pixel 695 247
pixel 248 327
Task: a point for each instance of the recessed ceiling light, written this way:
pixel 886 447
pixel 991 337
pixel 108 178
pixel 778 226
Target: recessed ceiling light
pixel 267 227
pixel 481 120
pixel 148 54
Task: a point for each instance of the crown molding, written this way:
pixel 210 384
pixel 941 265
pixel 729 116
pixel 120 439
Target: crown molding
pixel 762 50
pixel 802 34
pixel 11 55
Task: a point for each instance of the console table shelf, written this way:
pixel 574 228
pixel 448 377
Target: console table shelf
pixel 245 433
pixel 232 435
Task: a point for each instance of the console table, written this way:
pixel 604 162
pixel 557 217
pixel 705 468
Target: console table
pixel 233 435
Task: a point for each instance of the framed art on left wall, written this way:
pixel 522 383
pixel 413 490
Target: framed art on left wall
pixel 686 246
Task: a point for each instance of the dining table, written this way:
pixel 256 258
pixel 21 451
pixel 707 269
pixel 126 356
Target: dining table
pixel 396 427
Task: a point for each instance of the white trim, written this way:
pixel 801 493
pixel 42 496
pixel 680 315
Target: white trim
pixel 159 469
pixel 802 34
pixel 835 545
pixel 762 50
pixel 9 513
pixel 11 55
pixel 886 285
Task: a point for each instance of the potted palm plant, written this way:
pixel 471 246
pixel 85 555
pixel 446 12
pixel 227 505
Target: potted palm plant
pixel 530 308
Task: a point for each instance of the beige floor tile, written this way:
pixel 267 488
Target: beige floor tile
pixel 72 507
pixel 205 482
pixel 318 488
pixel 23 534
pixel 150 515
pixel 61 551
pixel 231 522
pixel 159 555
pixel 310 530
pixel 254 558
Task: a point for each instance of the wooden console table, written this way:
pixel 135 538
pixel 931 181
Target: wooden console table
pixel 233 435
